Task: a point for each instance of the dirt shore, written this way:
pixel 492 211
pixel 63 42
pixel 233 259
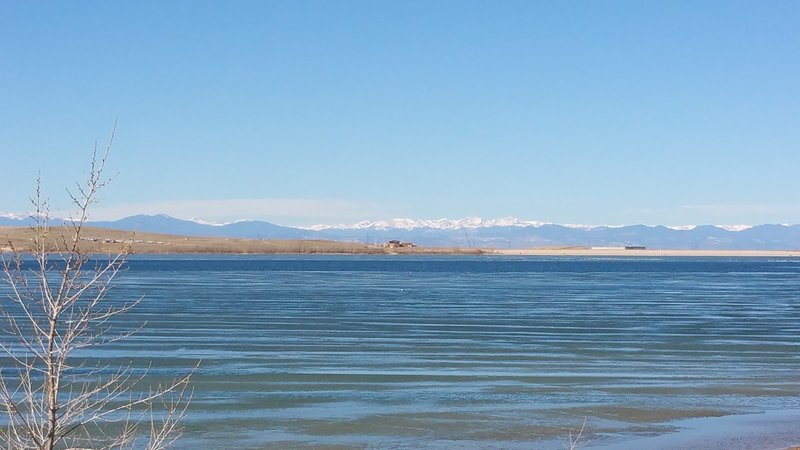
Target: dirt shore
pixel 102 240
pixel 580 251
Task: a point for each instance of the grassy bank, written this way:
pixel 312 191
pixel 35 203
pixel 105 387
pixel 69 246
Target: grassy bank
pixel 102 240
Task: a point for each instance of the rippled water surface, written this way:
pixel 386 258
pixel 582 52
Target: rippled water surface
pixel 463 352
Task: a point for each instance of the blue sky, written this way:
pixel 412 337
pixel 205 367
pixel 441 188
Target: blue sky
pixel 302 112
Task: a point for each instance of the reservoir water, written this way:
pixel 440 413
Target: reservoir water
pixel 465 352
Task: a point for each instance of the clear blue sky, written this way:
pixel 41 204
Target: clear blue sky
pixel 303 112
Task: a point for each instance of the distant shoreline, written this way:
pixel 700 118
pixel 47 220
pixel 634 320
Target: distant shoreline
pixel 101 240
pixel 571 251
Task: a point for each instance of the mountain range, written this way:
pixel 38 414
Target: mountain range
pixel 475 232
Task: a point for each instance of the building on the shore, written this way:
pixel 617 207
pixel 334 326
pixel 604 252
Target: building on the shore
pixel 621 247
pixel 397 244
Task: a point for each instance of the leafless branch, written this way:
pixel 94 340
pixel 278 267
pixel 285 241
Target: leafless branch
pixel 55 303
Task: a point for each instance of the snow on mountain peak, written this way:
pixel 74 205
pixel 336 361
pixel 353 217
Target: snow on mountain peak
pixel 734 227
pixel 585 227
pixel 436 224
pixel 682 227
pixel 473 222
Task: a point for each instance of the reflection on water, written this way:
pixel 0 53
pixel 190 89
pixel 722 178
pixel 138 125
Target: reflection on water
pixel 463 352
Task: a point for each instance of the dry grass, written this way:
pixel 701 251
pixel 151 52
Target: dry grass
pixel 102 240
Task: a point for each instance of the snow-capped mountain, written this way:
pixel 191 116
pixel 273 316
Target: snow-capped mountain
pixel 477 222
pixel 735 227
pixel 510 232
pixel 437 224
pixel 507 232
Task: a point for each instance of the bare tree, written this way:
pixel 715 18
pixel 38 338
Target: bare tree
pixel 55 311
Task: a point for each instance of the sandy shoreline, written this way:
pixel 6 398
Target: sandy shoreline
pixel 644 253
pixel 101 240
pixel 768 430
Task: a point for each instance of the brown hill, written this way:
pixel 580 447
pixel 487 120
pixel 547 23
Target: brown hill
pixel 102 240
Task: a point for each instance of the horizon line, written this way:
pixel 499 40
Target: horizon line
pixel 464 222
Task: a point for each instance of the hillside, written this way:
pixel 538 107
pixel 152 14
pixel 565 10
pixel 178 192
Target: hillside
pixel 104 240
pixel 507 233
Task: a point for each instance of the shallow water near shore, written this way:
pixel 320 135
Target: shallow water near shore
pixel 467 352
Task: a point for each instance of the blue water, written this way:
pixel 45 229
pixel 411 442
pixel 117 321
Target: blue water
pixel 462 352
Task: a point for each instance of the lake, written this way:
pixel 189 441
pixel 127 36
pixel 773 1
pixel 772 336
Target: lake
pixel 472 352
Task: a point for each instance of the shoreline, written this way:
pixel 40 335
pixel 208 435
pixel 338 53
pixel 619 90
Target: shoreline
pixel 102 240
pixel 770 429
pixel 644 253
